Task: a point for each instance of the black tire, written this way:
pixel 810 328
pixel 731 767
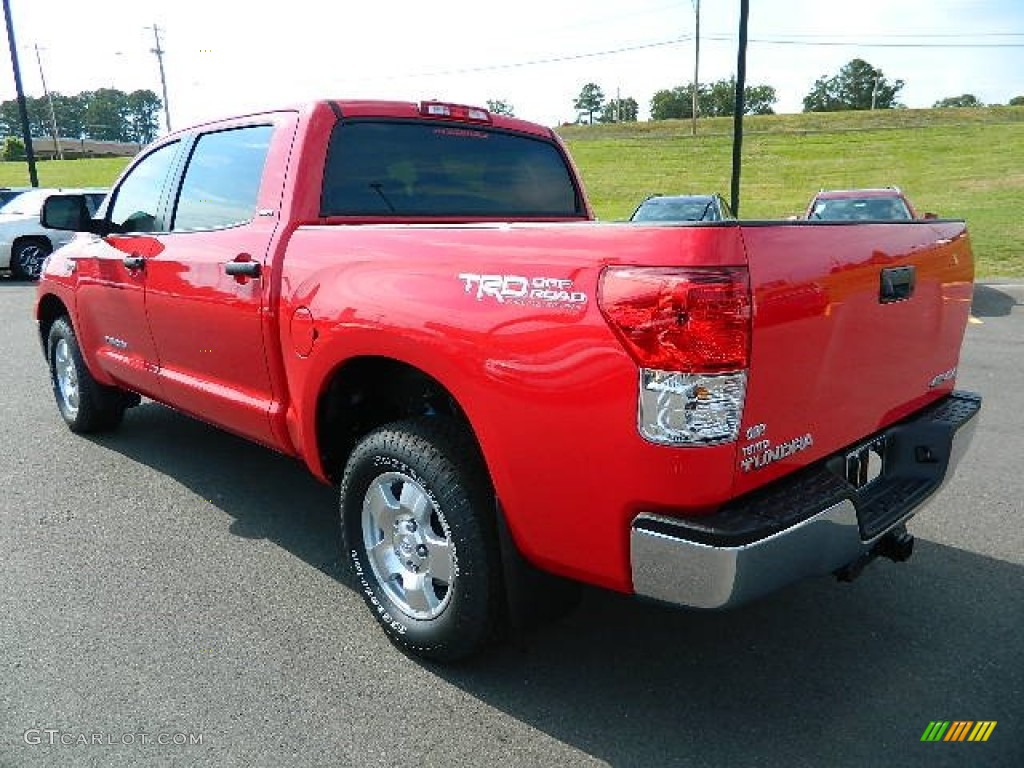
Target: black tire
pixel 84 403
pixel 434 584
pixel 27 257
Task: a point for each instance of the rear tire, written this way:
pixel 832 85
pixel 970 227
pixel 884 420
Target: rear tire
pixel 84 403
pixel 418 531
pixel 27 257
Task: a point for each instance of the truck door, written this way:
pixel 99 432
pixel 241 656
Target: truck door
pixel 207 287
pixel 111 313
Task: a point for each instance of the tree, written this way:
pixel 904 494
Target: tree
pixel 142 109
pixel 69 112
pixel 105 114
pixel 14 148
pixel 673 104
pixel 590 100
pixel 857 86
pixel 967 100
pixel 620 111
pixel 716 99
pixel 1016 101
pixel 760 100
pixel 500 107
pixel 38 117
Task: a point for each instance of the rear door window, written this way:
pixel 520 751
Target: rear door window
pixel 222 180
pixel 402 169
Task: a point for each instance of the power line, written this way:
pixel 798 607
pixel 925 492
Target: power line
pixel 534 62
pixel 863 43
pixel 716 38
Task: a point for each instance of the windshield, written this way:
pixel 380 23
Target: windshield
pixel 676 209
pixel 861 209
pixel 439 169
pixel 27 203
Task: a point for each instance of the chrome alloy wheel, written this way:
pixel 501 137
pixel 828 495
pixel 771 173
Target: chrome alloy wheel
pixel 67 377
pixel 408 545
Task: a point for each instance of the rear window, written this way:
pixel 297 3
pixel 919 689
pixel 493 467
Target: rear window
pixel 861 209
pixel 662 209
pixel 438 169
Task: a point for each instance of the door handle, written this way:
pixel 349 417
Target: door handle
pixel 243 268
pixel 134 262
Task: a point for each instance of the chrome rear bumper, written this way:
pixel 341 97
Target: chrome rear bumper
pixel 808 524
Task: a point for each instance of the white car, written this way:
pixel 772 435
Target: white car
pixel 24 242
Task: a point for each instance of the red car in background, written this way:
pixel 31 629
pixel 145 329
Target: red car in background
pixel 885 204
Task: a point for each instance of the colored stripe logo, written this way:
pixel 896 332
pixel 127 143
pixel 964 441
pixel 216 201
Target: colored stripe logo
pixel 958 730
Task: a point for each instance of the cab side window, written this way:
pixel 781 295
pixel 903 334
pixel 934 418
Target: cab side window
pixel 137 204
pixel 222 180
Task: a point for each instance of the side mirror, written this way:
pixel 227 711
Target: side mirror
pixel 68 213
pixel 929 215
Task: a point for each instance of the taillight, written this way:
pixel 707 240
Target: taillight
pixel 685 319
pixel 689 331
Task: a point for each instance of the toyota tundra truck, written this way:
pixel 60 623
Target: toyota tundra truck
pixel 414 300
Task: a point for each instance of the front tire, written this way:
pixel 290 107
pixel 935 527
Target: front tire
pixel 84 403
pixel 418 531
pixel 27 258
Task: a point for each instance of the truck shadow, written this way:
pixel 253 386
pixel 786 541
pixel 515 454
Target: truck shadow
pixel 849 672
pixel 992 301
pixel 818 671
pixel 270 496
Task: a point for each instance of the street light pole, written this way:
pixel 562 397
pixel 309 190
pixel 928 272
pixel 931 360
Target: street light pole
pixel 53 115
pixel 22 109
pixel 740 106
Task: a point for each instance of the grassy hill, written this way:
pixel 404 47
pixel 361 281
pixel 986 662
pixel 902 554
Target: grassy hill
pixel 964 163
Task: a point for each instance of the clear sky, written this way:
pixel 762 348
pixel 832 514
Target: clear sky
pixel 225 57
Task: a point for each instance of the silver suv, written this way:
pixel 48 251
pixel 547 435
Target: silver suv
pixel 24 242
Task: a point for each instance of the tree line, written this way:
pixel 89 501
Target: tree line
pixel 107 114
pixel 856 86
pixel 713 100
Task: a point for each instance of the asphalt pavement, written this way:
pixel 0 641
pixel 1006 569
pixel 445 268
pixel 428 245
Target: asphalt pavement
pixel 171 595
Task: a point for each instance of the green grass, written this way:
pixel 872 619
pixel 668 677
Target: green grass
pixel 94 172
pixel 962 163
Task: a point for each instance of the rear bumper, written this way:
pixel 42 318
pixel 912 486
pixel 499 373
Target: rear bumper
pixel 811 523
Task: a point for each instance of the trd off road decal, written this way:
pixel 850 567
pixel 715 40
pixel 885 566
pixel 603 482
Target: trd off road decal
pixel 519 289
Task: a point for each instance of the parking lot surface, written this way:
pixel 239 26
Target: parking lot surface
pixel 171 595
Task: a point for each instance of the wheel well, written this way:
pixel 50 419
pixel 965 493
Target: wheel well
pixel 50 308
pixel 368 392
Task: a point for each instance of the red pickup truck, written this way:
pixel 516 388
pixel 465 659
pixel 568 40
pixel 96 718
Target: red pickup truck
pixel 415 301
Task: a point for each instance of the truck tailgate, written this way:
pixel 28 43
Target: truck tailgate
pixel 854 328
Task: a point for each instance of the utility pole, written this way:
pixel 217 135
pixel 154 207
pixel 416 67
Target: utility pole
pixel 53 115
pixel 874 90
pixel 696 67
pixel 22 109
pixel 163 80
